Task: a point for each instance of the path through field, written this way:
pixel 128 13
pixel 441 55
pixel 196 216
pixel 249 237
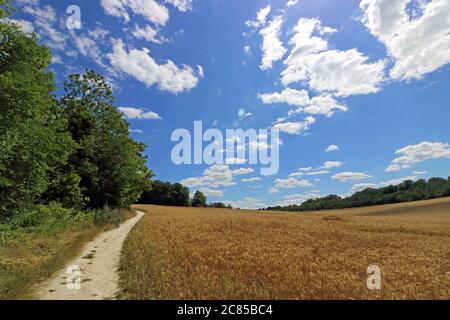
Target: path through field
pixel 98 269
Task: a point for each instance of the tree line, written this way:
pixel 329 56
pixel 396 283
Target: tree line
pixel 168 194
pixel 403 192
pixel 75 149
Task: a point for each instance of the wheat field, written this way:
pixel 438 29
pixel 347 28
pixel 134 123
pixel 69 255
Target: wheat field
pixel 191 253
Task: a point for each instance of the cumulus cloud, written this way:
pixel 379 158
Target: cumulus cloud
pixel 88 47
pixel 291 183
pixel 323 169
pixel 140 65
pixel 45 20
pixel 148 34
pixel 216 176
pixel 271 46
pixel 318 105
pixel 295 127
pixel 149 9
pixel 347 176
pixel 182 5
pixel 420 152
pixel 211 192
pixel 98 33
pixel 418 40
pixel 261 17
pixel 332 148
pixel 246 203
pixel 135 113
pixel 341 73
pixel 332 164
pixel 291 3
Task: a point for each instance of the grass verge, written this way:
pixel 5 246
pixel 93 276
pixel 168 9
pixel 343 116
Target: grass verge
pixel 41 241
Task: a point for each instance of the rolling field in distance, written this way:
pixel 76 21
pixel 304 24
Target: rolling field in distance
pixel 192 253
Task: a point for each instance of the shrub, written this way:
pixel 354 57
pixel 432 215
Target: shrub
pixel 108 216
pixel 43 218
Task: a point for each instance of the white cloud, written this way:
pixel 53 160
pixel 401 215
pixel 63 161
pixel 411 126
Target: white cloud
pixel 318 105
pixel 291 3
pixel 149 9
pixel 295 127
pixel 261 17
pixel 148 34
pixel 45 20
pixel 291 183
pixel 347 176
pixel 273 190
pixel 332 164
pixel 255 179
pixel 200 70
pixel 332 148
pixel 341 73
pixel 182 5
pixel 140 65
pixel 362 186
pixel 419 173
pixel 246 203
pixel 393 168
pixel 310 171
pixel 299 198
pixel 417 153
pixel 88 47
pixel 419 43
pixel 134 113
pixel 98 33
pixel 247 50
pixel 242 171
pixel 317 173
pixel 271 46
pixel 211 192
pixel 216 176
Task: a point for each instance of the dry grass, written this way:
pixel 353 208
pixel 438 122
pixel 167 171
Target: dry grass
pixel 30 258
pixel 190 253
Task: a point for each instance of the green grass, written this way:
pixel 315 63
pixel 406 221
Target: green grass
pixel 36 243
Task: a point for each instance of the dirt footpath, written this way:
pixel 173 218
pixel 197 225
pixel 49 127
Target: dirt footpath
pixel 93 275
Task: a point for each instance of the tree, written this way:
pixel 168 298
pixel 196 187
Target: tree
pixel 199 199
pixel 110 164
pixel 32 138
pixel 165 193
pixel 5 8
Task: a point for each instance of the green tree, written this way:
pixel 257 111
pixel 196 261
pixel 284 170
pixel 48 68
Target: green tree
pixel 5 8
pixel 165 193
pixel 32 138
pixel 110 164
pixel 199 199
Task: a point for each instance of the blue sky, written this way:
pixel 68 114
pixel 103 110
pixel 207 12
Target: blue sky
pixel 370 78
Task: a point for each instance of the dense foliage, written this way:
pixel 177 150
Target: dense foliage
pixel 76 150
pixel 404 192
pixel 199 199
pixel 165 193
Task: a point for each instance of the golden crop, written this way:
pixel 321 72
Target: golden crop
pixel 191 253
